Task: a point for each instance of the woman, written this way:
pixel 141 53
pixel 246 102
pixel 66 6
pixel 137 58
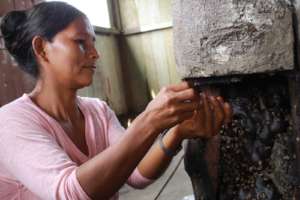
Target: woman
pixel 56 145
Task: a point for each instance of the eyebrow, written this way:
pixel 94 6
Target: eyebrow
pixel 86 34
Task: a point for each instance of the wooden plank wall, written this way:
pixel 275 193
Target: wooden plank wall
pixel 125 78
pixel 108 81
pixel 146 49
pixel 13 82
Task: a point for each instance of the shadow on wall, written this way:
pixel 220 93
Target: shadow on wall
pixel 135 81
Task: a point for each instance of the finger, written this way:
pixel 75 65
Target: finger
pixel 210 100
pixel 182 117
pixel 179 87
pixel 200 121
pixel 187 95
pixel 200 115
pixel 219 110
pixel 228 113
pixel 208 115
pixel 221 100
pixel 218 114
pixel 211 91
pixel 185 107
pixel 227 110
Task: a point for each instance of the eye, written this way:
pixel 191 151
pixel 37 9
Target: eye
pixel 81 42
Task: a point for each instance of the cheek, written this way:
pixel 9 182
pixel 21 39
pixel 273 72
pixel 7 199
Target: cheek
pixel 68 57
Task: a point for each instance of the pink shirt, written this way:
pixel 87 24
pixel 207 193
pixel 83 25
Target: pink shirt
pixel 37 158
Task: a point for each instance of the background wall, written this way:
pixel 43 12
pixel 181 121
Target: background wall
pixel 134 62
pixel 108 79
pixel 13 82
pixel 146 49
pixel 107 85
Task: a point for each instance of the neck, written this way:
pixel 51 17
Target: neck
pixel 57 101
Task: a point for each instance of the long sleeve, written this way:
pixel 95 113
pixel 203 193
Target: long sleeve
pixel 34 158
pixel 115 132
pixel 39 161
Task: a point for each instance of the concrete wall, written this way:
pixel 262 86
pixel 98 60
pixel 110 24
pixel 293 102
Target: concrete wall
pixel 214 38
pixel 146 49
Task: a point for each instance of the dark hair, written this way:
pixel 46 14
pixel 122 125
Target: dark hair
pixel 45 19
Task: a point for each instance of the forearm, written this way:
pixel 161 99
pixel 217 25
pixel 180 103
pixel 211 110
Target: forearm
pixel 103 175
pixel 156 161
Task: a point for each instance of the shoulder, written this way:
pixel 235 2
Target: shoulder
pixel 96 106
pixel 93 103
pixel 17 108
pixel 20 112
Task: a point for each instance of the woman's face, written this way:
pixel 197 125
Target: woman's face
pixel 72 56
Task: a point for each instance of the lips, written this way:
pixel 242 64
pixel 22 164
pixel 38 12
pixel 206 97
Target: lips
pixel 90 67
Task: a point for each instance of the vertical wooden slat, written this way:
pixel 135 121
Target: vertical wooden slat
pixel 37 1
pixel 28 4
pixel 5 6
pixel 148 56
pixel 13 81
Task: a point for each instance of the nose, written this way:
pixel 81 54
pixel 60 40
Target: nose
pixel 93 53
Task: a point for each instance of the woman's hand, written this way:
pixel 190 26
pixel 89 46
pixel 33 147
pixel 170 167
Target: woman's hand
pixel 172 105
pixel 207 119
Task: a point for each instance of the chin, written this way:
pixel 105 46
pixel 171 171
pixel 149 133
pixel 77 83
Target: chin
pixel 85 83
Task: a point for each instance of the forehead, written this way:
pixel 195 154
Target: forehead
pixel 80 26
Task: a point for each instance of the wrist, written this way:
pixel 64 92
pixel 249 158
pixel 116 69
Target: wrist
pixel 170 142
pixel 178 133
pixel 170 152
pixel 146 118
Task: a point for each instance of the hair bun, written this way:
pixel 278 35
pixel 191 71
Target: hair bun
pixel 11 23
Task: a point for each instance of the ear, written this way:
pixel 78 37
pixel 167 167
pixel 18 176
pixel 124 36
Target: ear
pixel 38 45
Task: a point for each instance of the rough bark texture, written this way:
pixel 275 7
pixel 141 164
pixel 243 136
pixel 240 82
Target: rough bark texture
pixel 258 153
pixel 294 91
pixel 223 37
